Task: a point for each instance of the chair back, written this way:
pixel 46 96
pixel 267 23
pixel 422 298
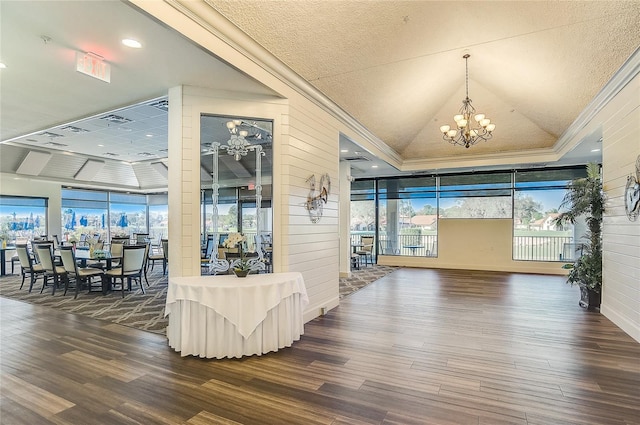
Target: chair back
pixel 23 255
pixel 45 254
pixel 141 238
pixel 124 240
pixel 133 258
pixel 165 248
pixel 147 249
pixel 209 247
pixel 116 248
pixel 68 259
pixel 34 245
pixel 367 243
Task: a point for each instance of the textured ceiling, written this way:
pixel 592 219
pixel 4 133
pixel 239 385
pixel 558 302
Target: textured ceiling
pixel 397 67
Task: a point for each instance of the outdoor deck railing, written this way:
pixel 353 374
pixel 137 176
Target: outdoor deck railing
pixel 525 248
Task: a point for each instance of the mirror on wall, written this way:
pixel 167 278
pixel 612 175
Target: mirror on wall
pixel 236 193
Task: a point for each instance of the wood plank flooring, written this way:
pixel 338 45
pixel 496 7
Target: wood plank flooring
pixel 436 347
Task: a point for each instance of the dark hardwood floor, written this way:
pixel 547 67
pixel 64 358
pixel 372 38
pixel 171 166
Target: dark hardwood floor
pixel 416 347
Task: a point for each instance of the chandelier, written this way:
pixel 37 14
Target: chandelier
pixel 471 128
pixel 238 146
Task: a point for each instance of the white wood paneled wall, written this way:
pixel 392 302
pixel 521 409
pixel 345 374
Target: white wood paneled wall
pixel 621 237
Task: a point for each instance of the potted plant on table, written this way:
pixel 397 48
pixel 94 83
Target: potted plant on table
pixel 241 266
pixel 585 198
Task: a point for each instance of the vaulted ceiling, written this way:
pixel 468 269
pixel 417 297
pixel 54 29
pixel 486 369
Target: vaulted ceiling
pixel 395 66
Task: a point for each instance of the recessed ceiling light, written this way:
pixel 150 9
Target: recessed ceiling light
pixel 2 66
pixel 130 42
pixel 595 150
pixel 101 146
pixel 149 135
pixel 374 166
pixel 344 150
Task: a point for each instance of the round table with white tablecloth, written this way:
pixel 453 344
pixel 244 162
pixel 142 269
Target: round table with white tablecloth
pixel 227 316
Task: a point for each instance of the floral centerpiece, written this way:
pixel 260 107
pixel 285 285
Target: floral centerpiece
pixel 241 267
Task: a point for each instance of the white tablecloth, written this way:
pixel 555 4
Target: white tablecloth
pixel 227 316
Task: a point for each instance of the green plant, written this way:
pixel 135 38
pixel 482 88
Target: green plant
pixel 585 197
pixel 237 240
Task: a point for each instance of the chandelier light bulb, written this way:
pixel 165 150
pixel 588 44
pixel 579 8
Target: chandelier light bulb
pixel 491 127
pixel 445 128
pixel 452 133
pixel 244 133
pixel 479 117
pixel 485 122
pixel 230 125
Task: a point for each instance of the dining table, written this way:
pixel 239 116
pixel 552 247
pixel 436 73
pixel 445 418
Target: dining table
pixel 226 316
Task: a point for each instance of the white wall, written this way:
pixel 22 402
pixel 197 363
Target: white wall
pixel 621 237
pixel 306 142
pixel 13 184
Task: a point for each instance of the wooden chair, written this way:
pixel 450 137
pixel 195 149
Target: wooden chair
pixel 51 269
pixel 131 269
pixel 81 275
pixel 27 266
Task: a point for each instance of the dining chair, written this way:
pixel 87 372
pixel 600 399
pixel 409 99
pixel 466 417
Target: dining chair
pixel 27 266
pixel 155 256
pixel 366 250
pixel 145 262
pixel 81 275
pixel 131 269
pixel 165 253
pixel 140 238
pixel 116 248
pixel 51 269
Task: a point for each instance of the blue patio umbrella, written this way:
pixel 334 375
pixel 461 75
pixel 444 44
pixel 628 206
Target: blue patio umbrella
pixel 83 220
pixel 37 222
pixel 123 222
pixel 103 221
pixel 71 222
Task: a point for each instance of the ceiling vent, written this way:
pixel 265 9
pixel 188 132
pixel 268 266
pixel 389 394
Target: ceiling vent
pixel 74 129
pixel 55 144
pixel 33 163
pixel 50 135
pixel 145 154
pixel 356 159
pixel 111 154
pixel 163 105
pixel 89 170
pixel 116 119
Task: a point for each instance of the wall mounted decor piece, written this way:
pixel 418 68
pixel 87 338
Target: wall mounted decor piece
pixel 318 196
pixel 632 194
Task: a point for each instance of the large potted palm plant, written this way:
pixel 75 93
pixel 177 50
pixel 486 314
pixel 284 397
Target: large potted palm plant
pixel 585 198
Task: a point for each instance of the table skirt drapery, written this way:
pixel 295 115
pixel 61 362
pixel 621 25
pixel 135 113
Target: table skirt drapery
pixel 223 316
pixel 204 333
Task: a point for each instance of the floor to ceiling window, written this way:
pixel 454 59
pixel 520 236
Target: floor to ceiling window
pixel 22 218
pixel 408 210
pixel 84 212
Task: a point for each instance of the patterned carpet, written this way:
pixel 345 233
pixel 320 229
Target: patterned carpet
pixel 361 278
pixel 138 310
